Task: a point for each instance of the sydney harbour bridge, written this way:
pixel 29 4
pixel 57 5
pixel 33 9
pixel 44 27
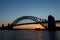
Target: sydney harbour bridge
pixel 50 22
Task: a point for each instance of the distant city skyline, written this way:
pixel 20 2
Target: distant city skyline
pixel 12 9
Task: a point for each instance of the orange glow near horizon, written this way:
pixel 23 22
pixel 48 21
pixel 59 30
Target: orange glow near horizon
pixel 30 26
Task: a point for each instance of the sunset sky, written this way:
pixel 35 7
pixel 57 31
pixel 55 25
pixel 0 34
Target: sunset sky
pixel 30 26
pixel 12 9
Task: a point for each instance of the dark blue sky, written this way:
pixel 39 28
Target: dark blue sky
pixel 12 9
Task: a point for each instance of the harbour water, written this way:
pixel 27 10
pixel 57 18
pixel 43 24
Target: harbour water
pixel 29 35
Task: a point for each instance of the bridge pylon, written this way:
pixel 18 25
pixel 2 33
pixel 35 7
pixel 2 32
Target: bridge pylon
pixel 51 22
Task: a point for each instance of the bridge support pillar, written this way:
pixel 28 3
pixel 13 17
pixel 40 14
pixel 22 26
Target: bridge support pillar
pixel 51 22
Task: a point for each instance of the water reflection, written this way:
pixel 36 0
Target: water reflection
pixel 28 35
pixel 6 35
pixel 52 35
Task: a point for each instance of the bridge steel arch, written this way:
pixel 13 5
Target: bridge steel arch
pixel 36 19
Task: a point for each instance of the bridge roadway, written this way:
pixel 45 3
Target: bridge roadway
pixel 34 23
pixel 29 23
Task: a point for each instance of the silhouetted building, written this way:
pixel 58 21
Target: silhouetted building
pixel 51 22
pixel 8 24
pixel 2 25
